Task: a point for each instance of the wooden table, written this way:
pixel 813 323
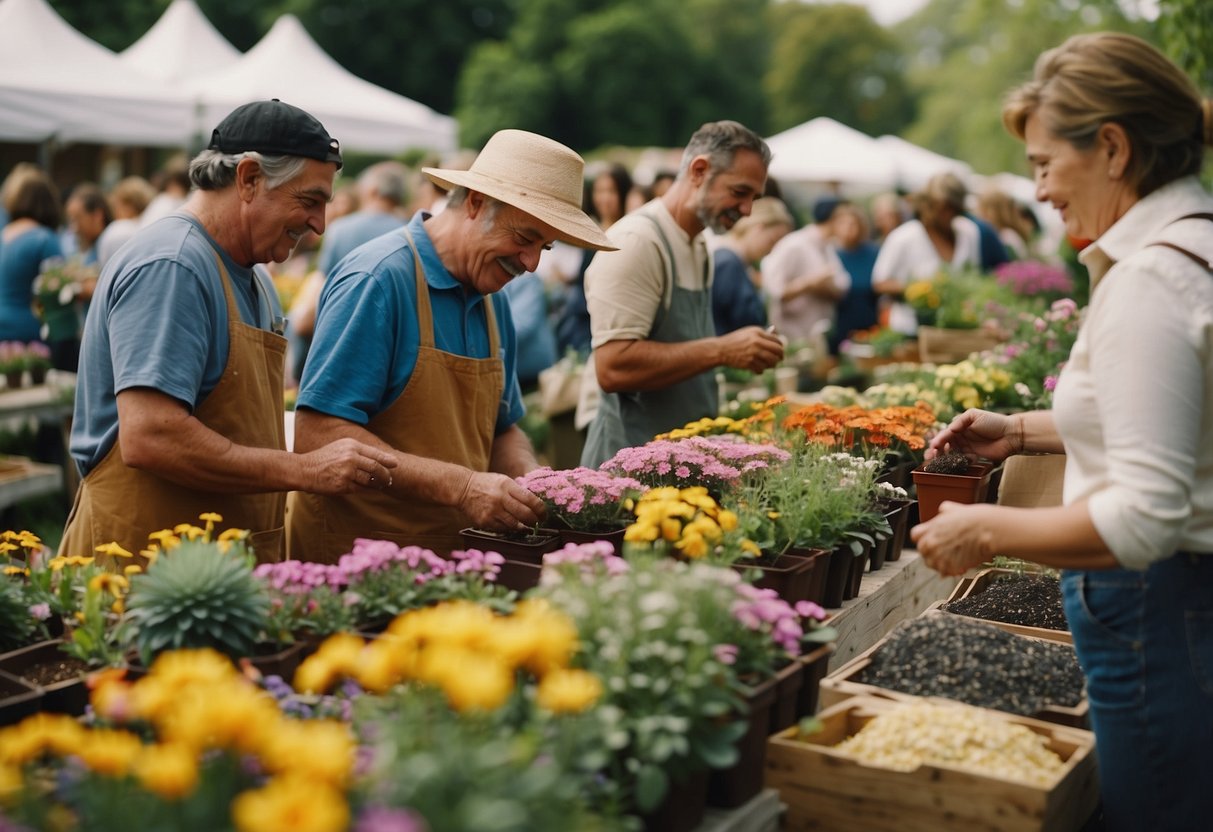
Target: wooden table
pixel 21 479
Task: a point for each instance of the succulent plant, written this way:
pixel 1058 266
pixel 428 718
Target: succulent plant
pixel 198 596
pixel 950 463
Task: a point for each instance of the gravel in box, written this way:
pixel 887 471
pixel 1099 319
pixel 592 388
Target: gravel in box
pixel 975 663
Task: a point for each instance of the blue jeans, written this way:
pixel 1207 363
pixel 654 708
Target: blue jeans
pixel 1145 642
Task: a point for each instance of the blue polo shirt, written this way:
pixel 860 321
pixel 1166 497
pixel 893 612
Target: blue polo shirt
pixel 367 336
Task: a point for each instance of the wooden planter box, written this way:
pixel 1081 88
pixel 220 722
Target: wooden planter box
pixel 978 584
pixel 843 683
pixel 18 698
pixel 947 346
pixel 933 489
pixel 825 789
pixel 68 696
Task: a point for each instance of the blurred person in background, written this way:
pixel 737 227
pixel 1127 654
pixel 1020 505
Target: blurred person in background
pixel 128 200
pixel 173 182
pixel 888 212
pixel 88 213
pixel 1003 213
pixel 851 243
pixel 737 279
pixel 607 196
pixel 29 238
pixel 803 279
pixel 1116 135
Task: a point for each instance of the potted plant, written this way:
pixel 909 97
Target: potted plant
pixel 198 593
pixel 12 363
pixel 657 636
pixel 951 477
pixel 718 463
pixel 585 504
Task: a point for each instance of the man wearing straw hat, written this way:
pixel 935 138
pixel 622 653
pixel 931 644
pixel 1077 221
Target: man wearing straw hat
pixel 655 345
pixel 415 353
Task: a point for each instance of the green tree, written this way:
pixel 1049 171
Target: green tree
pixel 617 71
pixel 1185 29
pixel 965 56
pixel 836 61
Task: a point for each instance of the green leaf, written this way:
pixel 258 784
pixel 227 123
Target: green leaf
pixel 651 785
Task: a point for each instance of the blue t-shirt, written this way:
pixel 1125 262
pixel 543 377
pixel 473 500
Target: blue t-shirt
pixel 536 342
pixel 347 233
pixel 735 299
pixel 857 308
pixel 20 262
pixel 158 319
pixel 367 336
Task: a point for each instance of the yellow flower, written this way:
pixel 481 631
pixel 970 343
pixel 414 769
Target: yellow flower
pixel 210 517
pixel 315 675
pixel 165 538
pixel 39 734
pixel 7 547
pixel 109 752
pixel 291 804
pixel 10 782
pixel 15 570
pixel 169 770
pixel 321 750
pixel 727 520
pixel 568 691
pixel 671 529
pixel 233 534
pixel 109 582
pixel 132 569
pixel 113 550
pixel 640 532
pixel 750 548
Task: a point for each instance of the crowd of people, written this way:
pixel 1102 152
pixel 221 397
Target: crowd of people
pixel 426 315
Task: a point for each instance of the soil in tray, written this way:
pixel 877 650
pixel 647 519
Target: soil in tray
pixel 975 663
pixel 59 670
pixel 1028 600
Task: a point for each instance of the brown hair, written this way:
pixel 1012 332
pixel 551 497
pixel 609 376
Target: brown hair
pixel 134 192
pixel 32 194
pixel 997 208
pixel 1094 79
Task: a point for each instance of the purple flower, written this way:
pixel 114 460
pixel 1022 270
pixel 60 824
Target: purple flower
pixel 1050 383
pixel 388 819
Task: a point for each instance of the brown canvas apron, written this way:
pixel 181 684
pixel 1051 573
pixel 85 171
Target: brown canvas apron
pixel 123 504
pixel 447 411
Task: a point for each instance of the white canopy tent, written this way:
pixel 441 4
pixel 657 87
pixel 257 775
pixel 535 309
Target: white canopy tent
pixel 826 151
pixel 914 165
pixel 288 64
pixel 182 44
pixel 58 85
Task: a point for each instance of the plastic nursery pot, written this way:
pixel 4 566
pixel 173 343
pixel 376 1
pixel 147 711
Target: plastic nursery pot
pixel 527 547
pixel 614 537
pixel 933 489
pixel 791 575
pixel 730 787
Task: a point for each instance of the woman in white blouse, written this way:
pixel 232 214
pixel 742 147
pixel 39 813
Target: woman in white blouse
pixel 1116 134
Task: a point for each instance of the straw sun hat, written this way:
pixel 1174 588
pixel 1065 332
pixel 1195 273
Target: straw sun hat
pixel 536 175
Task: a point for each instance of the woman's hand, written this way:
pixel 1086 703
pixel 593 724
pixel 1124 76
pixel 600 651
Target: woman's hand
pixel 956 539
pixel 980 433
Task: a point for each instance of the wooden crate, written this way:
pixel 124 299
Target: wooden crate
pixel 948 346
pixel 825 789
pixel 979 583
pixel 842 683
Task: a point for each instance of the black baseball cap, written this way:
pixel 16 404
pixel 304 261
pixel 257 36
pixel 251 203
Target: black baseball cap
pixel 275 127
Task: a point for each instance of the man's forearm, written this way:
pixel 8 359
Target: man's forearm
pixel 513 454
pixel 652 365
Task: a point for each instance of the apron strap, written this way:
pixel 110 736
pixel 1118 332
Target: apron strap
pixel 425 313
pixel 1207 265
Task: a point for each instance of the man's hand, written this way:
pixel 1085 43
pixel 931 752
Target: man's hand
pixel 346 465
pixel 751 348
pixel 497 503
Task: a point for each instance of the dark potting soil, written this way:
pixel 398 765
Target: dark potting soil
pixel 58 670
pixel 1028 600
pixel 975 663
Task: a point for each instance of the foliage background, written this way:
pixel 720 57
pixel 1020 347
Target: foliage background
pixel 598 73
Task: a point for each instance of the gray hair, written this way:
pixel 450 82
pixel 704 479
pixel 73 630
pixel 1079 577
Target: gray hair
pixel 213 170
pixel 387 179
pixel 720 141
pixel 459 195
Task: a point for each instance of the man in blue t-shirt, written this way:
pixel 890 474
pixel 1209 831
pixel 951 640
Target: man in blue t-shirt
pixel 415 351
pixel 179 398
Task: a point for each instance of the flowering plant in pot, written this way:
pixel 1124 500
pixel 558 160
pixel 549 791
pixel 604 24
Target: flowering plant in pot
pixel 686 523
pixel 370 585
pixel 1037 350
pixel 718 463
pixel 1032 279
pixel 651 634
pixel 192 745
pixel 584 499
pixel 477 715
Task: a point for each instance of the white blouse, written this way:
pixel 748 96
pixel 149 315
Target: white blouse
pixel 1134 404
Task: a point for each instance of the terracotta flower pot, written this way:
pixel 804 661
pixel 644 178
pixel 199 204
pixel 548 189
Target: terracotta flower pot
pixel 933 489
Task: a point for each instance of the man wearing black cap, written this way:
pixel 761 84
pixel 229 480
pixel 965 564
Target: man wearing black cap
pixel 179 397
pixel 804 279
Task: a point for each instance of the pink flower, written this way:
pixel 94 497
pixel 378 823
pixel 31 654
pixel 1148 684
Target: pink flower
pixel 725 653
pixel 1050 383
